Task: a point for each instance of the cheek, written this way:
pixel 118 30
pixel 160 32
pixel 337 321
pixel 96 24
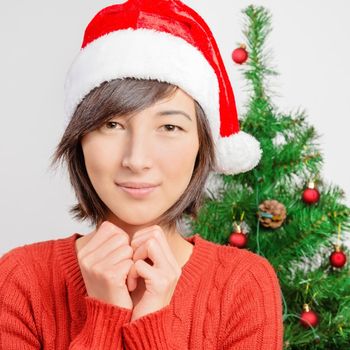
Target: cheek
pixel 178 162
pixel 99 157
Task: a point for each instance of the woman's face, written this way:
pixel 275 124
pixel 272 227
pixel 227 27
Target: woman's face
pixel 157 146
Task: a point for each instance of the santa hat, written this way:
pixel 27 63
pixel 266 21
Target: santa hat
pixel 167 41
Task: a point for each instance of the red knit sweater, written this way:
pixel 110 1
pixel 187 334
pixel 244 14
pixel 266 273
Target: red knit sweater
pixel 226 298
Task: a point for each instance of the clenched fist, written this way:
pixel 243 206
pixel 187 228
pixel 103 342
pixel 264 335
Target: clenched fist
pixel 105 262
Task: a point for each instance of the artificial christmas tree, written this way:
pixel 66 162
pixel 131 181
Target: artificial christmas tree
pixel 298 241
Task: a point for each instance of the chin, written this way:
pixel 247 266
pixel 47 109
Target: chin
pixel 135 219
pixel 139 222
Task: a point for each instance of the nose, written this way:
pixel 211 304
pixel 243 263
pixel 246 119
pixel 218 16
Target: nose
pixel 137 152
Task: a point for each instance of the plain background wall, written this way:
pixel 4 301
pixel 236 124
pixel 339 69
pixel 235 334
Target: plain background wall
pixel 39 40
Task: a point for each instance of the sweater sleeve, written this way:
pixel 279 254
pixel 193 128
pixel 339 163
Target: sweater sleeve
pixel 153 331
pixel 20 310
pixel 252 318
pixel 102 328
pixel 18 329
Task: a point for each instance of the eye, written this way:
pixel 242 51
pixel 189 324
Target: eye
pixel 111 125
pixel 171 128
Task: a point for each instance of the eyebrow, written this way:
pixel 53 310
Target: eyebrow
pixel 171 112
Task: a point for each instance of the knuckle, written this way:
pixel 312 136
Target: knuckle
pixel 118 240
pixel 150 243
pixel 106 225
pixel 124 238
pixel 84 264
pixel 106 228
pixel 129 251
pixel 156 228
pixel 112 228
pixel 157 234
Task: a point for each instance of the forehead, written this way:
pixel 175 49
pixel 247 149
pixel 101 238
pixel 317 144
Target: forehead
pixel 179 98
pixel 178 103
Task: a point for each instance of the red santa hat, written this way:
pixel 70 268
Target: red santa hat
pixel 167 41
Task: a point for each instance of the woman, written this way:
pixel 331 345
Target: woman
pixel 150 112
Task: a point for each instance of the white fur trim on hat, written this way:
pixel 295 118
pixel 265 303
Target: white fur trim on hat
pixel 144 54
pixel 237 153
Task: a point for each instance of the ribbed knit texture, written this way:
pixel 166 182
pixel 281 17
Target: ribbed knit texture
pixel 226 298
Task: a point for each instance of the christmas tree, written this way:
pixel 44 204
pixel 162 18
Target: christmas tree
pixel 283 209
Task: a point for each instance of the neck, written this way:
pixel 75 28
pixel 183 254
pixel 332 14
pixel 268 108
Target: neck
pixel 170 231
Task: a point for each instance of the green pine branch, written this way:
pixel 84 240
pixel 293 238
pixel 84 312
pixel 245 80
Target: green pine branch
pixel 299 249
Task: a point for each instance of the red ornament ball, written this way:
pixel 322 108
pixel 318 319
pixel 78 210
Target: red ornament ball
pixel 311 195
pixel 238 239
pixel 240 55
pixel 337 259
pixel 308 318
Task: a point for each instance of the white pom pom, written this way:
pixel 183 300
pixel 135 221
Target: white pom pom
pixel 237 153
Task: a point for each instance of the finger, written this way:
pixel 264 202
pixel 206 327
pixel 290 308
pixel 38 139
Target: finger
pixel 132 278
pixel 154 230
pixel 145 234
pixel 146 271
pixel 163 248
pixel 106 248
pixel 118 273
pixel 103 233
pixel 144 230
pixel 152 249
pixel 117 255
pixel 157 233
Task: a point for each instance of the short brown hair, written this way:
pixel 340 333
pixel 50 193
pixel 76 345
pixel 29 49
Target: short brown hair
pixel 126 97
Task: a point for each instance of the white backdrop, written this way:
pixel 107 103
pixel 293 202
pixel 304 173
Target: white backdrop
pixel 39 39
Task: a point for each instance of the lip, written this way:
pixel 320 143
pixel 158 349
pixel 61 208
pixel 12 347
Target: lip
pixel 138 192
pixel 136 184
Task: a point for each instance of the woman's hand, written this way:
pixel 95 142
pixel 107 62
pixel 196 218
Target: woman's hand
pixel 105 262
pixel 161 277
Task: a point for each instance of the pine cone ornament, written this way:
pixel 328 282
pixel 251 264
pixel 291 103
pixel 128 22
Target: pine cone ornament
pixel 272 213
